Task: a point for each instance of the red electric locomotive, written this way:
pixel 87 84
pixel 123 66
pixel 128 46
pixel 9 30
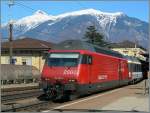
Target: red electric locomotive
pixel 75 68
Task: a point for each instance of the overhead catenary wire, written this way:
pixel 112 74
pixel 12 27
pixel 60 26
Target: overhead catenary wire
pixel 25 6
pixel 32 11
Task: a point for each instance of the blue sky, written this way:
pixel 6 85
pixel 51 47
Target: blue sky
pixel 137 9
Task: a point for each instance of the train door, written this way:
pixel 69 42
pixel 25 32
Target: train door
pixel 120 72
pixel 87 59
pixel 89 62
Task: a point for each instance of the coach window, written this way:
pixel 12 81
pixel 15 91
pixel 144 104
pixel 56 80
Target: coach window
pixel 138 68
pixel 132 67
pixel 129 65
pixel 135 67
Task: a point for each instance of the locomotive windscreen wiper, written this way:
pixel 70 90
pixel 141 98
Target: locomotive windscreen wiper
pixel 68 67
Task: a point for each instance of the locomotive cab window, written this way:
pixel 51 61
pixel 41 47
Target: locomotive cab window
pixel 86 59
pixel 63 59
pixel 89 59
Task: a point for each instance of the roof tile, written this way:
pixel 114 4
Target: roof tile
pixel 28 43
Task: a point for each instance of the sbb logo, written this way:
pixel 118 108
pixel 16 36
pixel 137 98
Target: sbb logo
pixel 69 72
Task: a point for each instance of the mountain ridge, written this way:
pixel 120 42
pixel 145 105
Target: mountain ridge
pixel 72 25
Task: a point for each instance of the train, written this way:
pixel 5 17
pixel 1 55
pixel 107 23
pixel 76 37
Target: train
pixel 135 69
pixel 15 74
pixel 74 68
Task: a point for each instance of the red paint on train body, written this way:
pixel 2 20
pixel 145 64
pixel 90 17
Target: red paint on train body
pixel 103 69
pixel 74 67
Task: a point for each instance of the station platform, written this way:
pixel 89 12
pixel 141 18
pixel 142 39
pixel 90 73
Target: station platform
pixel 129 103
pixel 129 98
pixel 138 100
pixel 19 86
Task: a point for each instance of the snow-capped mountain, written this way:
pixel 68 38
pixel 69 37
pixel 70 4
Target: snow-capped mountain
pixel 33 21
pixel 89 12
pixel 115 26
pixel 27 23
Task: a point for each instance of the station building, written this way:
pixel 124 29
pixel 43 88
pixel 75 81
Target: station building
pixel 26 51
pixel 130 49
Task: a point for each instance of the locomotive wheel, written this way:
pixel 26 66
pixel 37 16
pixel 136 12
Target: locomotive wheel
pixel 50 94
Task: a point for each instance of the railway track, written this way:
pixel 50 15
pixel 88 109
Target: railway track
pixel 24 107
pixel 30 104
pixel 18 87
pixel 28 100
pixel 10 96
pixel 21 100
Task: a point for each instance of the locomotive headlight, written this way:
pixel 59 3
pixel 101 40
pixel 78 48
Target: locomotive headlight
pixel 72 80
pixel 47 79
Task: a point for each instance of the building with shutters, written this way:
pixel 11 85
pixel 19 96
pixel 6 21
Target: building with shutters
pixel 26 51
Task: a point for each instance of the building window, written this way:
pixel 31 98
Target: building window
pixel 126 52
pixel 14 60
pixel 24 62
pixel 27 61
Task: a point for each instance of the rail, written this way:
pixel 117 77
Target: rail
pixel 20 95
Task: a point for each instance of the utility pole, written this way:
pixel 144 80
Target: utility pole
pixel 10 42
pixel 136 44
pixel 10 3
